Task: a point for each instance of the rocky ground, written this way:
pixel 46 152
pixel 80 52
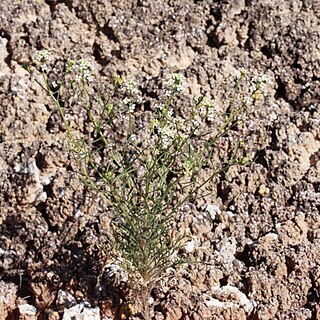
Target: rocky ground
pixel 259 230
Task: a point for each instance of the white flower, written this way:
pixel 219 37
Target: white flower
pixel 196 125
pixel 264 78
pixel 54 84
pixel 176 83
pixel 243 72
pixel 132 107
pixel 166 131
pixel 165 141
pixel 84 69
pixel 42 56
pixel 211 113
pixel 252 88
pixel 177 120
pixel 207 109
pixel 259 83
pixel 249 101
pixel 126 101
pixel 130 86
pixel 154 138
pixel 44 68
pixel 159 106
pixel 202 111
pixel 167 136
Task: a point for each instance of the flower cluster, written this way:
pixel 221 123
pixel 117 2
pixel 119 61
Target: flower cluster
pixel 174 85
pixel 243 72
pixel 263 80
pixel 54 84
pixel 130 88
pixel 80 70
pixel 167 135
pixel 146 170
pixel 177 82
pixel 207 109
pixel 42 57
pixel 258 84
pixel 127 102
pixel 164 135
pixel 83 70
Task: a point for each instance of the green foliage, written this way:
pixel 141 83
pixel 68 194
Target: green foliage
pixel 147 164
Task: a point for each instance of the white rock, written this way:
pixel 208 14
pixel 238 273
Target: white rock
pixel 270 236
pixel 81 312
pixel 228 249
pixel 78 214
pixel 65 299
pixel 190 245
pixel 34 191
pixel 113 269
pixel 150 300
pixel 27 309
pixel 3 41
pixel 91 314
pixel 239 298
pixel 212 302
pixel 213 210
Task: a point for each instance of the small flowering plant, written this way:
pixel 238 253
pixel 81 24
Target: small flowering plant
pixel 146 163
